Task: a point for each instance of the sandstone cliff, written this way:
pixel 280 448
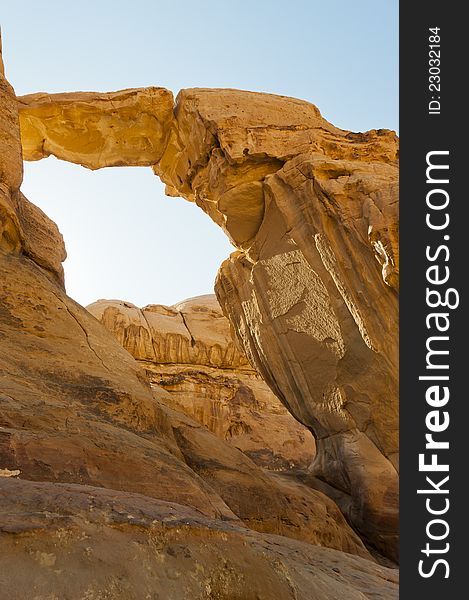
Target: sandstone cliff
pixel 100 479
pixel 187 349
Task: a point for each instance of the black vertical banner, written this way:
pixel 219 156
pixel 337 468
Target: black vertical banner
pixel 434 328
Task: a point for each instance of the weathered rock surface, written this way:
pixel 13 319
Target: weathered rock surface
pixel 121 545
pixel 11 169
pixel 312 292
pixel 24 228
pixel 77 408
pixel 75 405
pixel 191 332
pixel 262 501
pixel 188 350
pixel 129 127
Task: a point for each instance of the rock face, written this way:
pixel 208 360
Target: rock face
pixel 101 479
pixel 188 350
pixel 79 409
pixel 312 291
pixel 120 545
pixel 24 228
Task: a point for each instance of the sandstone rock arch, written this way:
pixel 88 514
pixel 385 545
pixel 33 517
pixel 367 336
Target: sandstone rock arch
pixel 312 290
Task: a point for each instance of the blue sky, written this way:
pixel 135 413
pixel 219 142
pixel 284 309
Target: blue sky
pixel 125 239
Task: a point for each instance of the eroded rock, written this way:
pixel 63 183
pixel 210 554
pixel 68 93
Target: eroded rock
pixel 99 478
pixel 116 544
pixel 312 292
pixel 78 408
pixel 24 228
pixel 129 127
pixel 188 350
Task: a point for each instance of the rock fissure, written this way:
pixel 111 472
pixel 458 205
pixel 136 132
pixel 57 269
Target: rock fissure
pixel 85 333
pixel 193 342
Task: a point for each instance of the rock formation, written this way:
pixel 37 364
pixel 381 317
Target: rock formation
pixel 312 291
pixel 102 481
pixel 188 350
pixel 74 541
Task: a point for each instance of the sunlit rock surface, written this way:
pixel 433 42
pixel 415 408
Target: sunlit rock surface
pixel 188 350
pixel 129 127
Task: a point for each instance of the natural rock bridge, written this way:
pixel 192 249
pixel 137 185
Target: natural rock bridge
pixel 311 292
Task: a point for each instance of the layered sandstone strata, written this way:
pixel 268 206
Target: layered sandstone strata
pixel 188 350
pixel 312 291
